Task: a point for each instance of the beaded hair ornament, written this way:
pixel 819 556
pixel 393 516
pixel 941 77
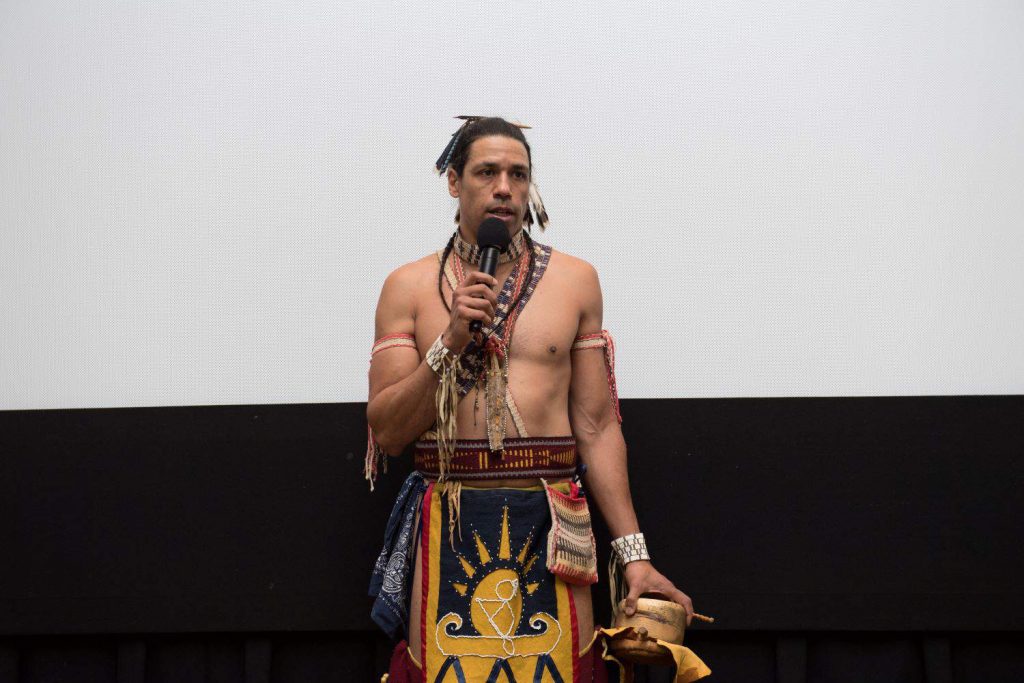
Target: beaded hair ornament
pixel 535 205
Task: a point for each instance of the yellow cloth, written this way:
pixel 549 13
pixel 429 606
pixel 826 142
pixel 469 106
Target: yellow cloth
pixel 491 610
pixel 689 666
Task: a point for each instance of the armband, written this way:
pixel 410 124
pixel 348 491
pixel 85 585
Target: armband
pixel 391 341
pixel 602 340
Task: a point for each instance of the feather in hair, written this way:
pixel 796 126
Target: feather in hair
pixel 538 206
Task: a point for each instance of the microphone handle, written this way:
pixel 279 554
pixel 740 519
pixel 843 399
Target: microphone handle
pixel 488 264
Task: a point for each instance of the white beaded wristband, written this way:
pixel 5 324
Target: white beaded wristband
pixel 630 548
pixel 439 355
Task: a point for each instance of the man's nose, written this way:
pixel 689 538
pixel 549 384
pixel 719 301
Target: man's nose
pixel 502 188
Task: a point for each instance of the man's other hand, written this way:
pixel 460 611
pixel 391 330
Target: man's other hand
pixel 642 577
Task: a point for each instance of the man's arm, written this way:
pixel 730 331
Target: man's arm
pixel 602 448
pixel 402 400
pixel 402 387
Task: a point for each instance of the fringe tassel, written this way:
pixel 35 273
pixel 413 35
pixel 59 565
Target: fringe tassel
pixel 447 401
pixel 616 583
pixel 453 490
pixel 375 458
pixel 609 361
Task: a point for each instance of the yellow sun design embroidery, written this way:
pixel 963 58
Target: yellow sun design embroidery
pixel 496 605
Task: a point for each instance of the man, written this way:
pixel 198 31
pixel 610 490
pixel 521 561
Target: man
pixel 471 537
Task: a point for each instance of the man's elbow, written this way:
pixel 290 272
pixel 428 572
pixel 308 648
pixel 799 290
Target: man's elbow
pixel 392 448
pixel 389 444
pixel 590 428
pixel 385 439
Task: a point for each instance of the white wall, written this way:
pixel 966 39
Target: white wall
pixel 200 201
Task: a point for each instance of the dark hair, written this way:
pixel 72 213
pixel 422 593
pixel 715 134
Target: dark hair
pixel 482 128
pixel 460 155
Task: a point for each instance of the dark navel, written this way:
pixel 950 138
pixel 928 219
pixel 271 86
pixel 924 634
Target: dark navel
pixel 552 349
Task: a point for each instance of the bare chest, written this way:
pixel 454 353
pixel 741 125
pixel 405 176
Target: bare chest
pixel 542 334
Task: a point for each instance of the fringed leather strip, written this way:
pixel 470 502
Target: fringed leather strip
pixel 447 402
pixel 599 340
pixel 375 456
pixel 616 583
pixel 453 489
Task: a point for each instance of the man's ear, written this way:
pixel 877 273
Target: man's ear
pixel 453 182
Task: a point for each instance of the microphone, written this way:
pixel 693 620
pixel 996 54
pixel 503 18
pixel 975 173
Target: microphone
pixel 493 238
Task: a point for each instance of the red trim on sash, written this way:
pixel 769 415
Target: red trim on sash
pixel 575 635
pixel 425 588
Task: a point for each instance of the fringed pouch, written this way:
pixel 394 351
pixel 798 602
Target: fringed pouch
pixel 572 551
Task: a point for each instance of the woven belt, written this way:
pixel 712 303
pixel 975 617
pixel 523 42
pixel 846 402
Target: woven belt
pixel 553 457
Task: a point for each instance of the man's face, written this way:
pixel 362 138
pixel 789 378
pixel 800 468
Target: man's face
pixel 494 183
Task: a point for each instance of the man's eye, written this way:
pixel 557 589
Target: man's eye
pixel 520 175
pixel 487 171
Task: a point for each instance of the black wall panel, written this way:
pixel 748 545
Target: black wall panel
pixel 804 523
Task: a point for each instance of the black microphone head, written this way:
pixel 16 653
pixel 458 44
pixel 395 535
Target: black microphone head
pixel 493 233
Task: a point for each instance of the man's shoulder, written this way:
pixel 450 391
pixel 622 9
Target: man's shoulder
pixel 411 276
pixel 402 289
pixel 577 279
pixel 572 266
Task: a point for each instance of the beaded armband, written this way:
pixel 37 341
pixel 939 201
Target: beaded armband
pixel 391 341
pixel 602 340
pixel 630 548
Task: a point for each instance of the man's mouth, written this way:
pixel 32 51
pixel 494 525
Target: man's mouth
pixel 501 212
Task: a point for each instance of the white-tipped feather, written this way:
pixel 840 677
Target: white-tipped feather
pixel 538 206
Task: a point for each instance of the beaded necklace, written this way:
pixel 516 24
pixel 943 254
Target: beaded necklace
pixel 470 253
pixel 486 359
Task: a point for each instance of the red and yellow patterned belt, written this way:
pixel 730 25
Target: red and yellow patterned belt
pixel 553 457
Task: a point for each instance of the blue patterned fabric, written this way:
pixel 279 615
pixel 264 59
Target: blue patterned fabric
pixel 389 584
